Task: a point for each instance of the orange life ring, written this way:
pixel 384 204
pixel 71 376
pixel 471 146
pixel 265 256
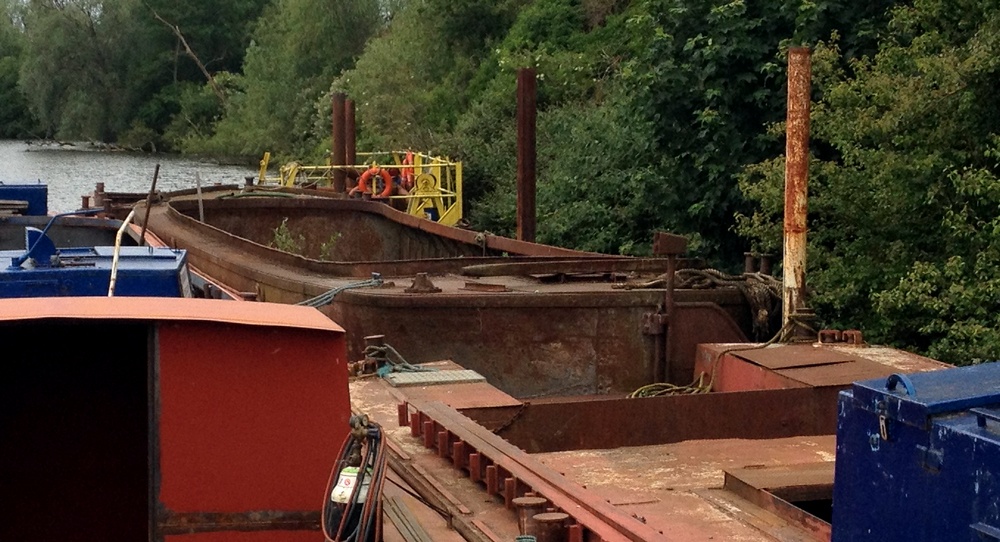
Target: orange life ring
pixel 363 181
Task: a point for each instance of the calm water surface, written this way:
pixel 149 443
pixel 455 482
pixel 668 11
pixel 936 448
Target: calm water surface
pixel 73 171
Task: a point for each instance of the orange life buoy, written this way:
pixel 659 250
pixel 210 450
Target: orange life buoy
pixel 363 181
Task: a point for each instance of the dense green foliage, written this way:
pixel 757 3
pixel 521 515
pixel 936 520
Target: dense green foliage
pixel 904 194
pixel 113 71
pixel 652 115
pixel 15 119
pixel 299 47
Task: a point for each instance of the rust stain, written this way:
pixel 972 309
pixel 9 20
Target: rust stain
pixel 796 179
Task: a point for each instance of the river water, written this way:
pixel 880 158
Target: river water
pixel 72 171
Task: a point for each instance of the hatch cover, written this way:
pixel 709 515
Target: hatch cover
pixel 787 356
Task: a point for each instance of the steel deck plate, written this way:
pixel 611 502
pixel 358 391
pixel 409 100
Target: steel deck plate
pixel 787 356
pixel 429 378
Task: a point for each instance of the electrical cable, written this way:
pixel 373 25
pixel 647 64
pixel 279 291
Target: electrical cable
pixel 359 519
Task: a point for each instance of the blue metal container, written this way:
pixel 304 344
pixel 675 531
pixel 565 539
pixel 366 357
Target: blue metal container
pixel 42 270
pixel 36 196
pixel 918 457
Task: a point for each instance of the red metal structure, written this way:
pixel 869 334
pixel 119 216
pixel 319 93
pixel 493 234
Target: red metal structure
pixel 167 419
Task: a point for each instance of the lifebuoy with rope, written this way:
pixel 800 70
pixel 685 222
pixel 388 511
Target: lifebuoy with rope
pixel 371 172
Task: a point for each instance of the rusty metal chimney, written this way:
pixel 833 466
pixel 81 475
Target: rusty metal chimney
pixel 526 154
pixel 338 148
pixel 796 189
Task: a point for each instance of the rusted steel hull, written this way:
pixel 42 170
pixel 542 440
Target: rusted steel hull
pixel 362 231
pixel 529 346
pixel 513 311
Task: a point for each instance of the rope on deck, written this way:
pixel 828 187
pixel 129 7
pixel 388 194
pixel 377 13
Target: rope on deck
pixel 326 297
pixel 391 361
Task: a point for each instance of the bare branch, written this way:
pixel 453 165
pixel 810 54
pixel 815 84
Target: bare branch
pixel 187 49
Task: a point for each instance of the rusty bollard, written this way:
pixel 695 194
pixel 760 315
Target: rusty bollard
pixel 422 285
pixel 551 526
pixel 527 508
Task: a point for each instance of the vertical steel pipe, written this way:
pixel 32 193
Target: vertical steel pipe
pixel 765 264
pixel 671 246
pixel 796 182
pixel 526 113
pixel 337 146
pixel 350 140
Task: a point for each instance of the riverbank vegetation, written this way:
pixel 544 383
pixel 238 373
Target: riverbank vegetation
pixel 653 115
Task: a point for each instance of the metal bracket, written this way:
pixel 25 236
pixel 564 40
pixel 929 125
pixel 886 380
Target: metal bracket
pixel 983 415
pixel 669 244
pixel 930 458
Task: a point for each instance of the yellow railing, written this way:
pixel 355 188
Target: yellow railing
pixel 436 192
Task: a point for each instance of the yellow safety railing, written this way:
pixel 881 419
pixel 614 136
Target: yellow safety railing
pixel 435 194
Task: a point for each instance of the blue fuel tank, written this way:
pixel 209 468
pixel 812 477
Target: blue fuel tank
pixel 918 457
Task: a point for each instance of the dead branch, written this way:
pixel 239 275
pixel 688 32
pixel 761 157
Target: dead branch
pixel 187 49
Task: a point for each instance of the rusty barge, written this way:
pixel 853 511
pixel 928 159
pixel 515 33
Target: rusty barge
pixel 506 308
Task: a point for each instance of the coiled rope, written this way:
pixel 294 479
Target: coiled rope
pixel 326 298
pixel 762 292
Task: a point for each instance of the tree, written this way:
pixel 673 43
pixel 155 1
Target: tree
pixel 84 65
pixel 15 118
pixel 217 35
pixel 595 161
pixel 299 47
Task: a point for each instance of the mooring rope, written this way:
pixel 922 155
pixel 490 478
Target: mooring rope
pixel 326 297
pixel 391 361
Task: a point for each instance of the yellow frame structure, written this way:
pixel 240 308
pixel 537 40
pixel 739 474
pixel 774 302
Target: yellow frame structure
pixel 437 188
